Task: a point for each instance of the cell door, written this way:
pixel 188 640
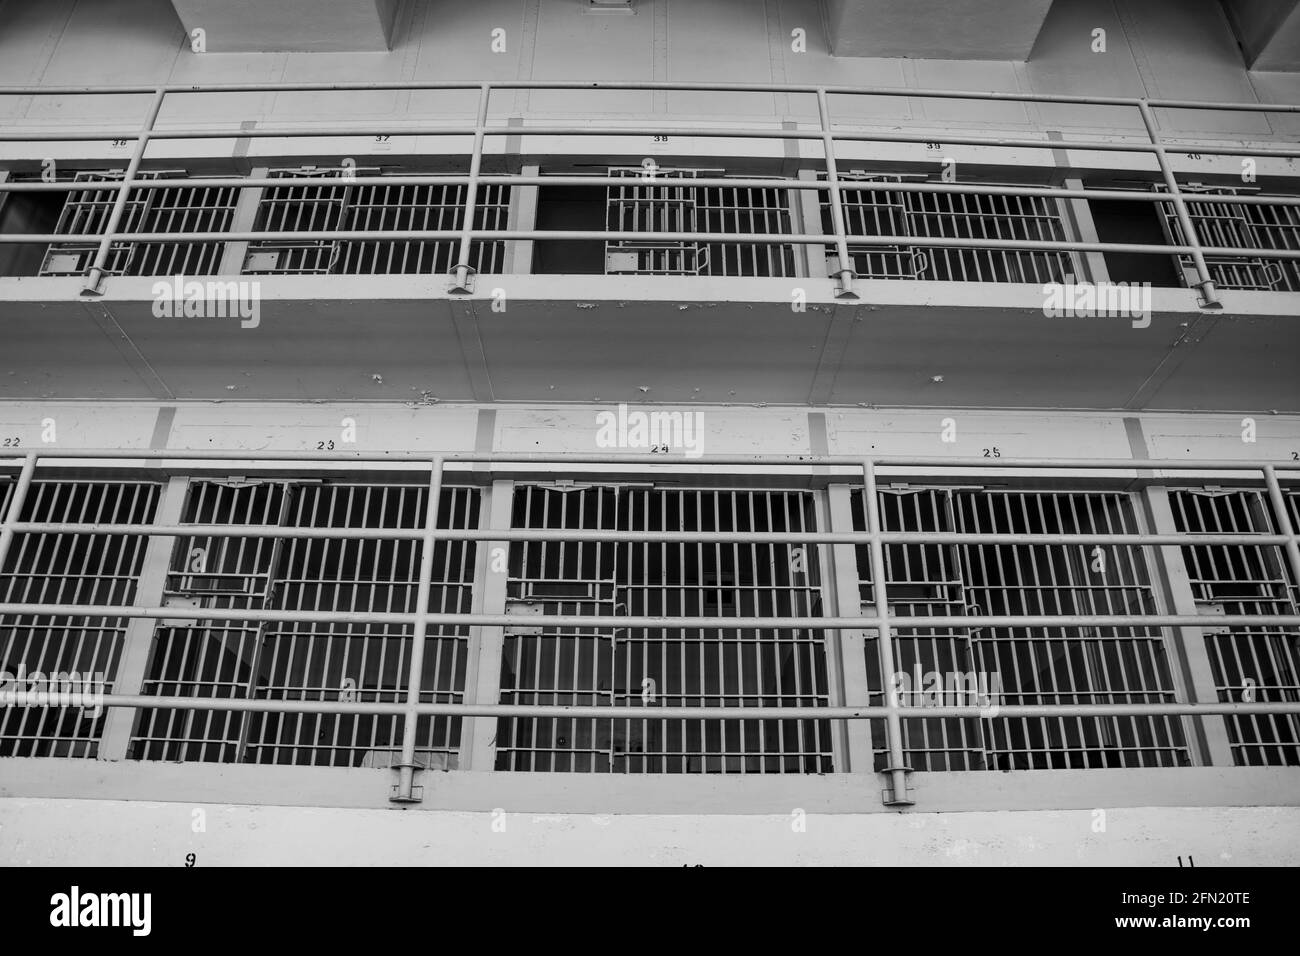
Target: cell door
pixel 308 660
pixel 987 666
pixel 302 208
pixel 1252 662
pixel 924 580
pixel 875 213
pixel 614 667
pixel 1070 664
pixel 662 203
pixel 1219 224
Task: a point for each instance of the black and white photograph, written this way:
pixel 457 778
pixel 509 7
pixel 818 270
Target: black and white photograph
pixel 650 433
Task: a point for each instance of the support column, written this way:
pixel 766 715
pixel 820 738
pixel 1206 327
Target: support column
pixel 138 642
pixel 1078 214
pixel 483 675
pixel 853 737
pixel 810 223
pixel 523 216
pixel 244 220
pixel 1209 734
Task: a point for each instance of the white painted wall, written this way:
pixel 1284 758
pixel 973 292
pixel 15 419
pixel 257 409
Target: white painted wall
pixel 784 430
pixel 1161 48
pixel 98 832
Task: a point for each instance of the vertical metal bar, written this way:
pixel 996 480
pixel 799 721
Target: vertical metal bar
pixel 406 769
pixel 1209 298
pixel 837 201
pixel 461 285
pixel 96 277
pixel 894 726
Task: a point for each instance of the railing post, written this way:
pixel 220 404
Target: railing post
pixel 404 792
pixel 461 285
pixel 1209 298
pixel 96 277
pixel 16 505
pixel 897 795
pixel 845 271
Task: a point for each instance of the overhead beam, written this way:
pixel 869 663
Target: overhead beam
pixel 935 29
pixel 1268 31
pixel 293 26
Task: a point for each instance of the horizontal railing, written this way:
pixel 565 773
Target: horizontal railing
pixel 884 622
pixel 827 132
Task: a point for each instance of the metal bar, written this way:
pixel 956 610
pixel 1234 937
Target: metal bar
pixel 461 285
pixel 96 276
pixel 639 621
pixel 560 458
pixel 1206 284
pixel 727 132
pixel 654 85
pixel 897 768
pixel 318 132
pixel 845 271
pixel 703 237
pixel 576 534
pixel 747 238
pixel 7 527
pixel 262 705
pixel 1284 522
pixel 410 723
pixel 766 182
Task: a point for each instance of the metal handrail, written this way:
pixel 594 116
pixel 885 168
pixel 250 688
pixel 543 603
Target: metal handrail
pixel 827 132
pixel 883 623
